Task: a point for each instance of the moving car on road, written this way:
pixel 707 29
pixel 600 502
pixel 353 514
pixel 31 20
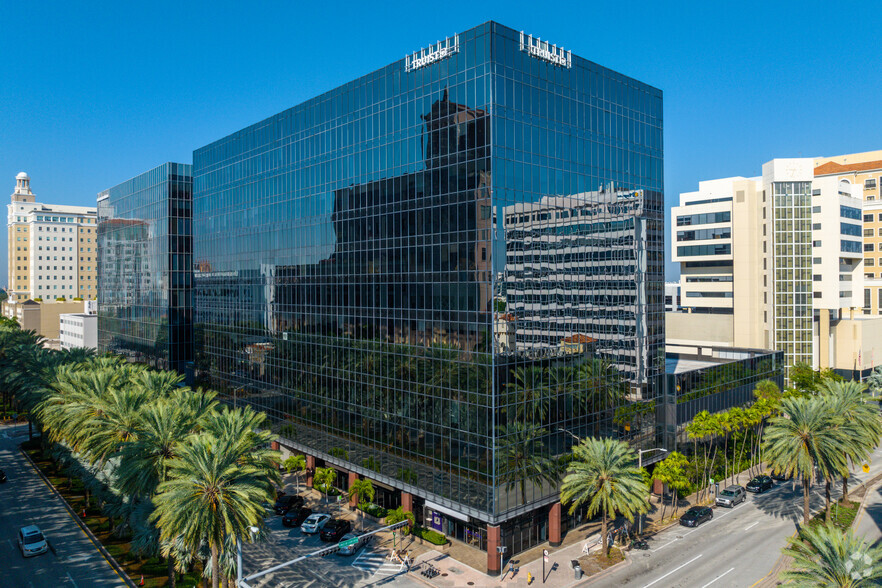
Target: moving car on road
pixel 286 503
pixel 314 523
pixel 760 484
pixel 296 516
pixel 351 549
pixel 334 530
pixel 31 541
pixel 696 515
pixel 731 496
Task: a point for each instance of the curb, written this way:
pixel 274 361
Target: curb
pixel 85 528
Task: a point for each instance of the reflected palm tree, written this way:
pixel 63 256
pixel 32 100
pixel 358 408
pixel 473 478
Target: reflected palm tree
pixel 521 459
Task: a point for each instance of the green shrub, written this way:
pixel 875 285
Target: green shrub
pixel 431 535
pixel 375 510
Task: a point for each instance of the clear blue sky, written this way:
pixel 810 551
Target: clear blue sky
pixel 93 93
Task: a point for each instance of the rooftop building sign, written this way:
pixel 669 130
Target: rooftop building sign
pixel 546 51
pixel 432 53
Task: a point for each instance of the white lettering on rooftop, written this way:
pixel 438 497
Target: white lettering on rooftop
pixel 546 51
pixel 432 53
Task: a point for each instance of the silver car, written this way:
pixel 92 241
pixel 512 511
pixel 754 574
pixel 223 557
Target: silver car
pixel 731 496
pixel 351 549
pixel 31 541
pixel 314 523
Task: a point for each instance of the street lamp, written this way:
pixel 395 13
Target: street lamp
pixel 253 531
pixel 640 453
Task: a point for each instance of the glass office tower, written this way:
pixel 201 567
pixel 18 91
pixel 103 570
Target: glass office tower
pixel 436 274
pixel 145 267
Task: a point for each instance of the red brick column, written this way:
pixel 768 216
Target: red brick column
pixel 554 525
pixel 494 540
pixel 310 469
pixel 406 501
pixel 275 445
pixel 353 498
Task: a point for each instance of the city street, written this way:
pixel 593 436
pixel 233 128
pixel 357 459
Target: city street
pixel 737 547
pixel 27 500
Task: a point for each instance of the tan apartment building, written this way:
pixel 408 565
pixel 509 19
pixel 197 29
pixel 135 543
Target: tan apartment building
pixel 863 170
pixel 53 249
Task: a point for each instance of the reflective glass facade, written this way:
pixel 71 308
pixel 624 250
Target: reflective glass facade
pixel 145 267
pixel 424 275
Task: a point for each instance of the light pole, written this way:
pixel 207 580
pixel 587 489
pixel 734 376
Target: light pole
pixel 253 531
pixel 640 453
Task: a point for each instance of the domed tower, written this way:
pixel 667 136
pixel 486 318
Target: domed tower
pixel 23 189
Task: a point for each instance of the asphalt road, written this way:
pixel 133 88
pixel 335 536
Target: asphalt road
pixel 735 549
pixel 24 500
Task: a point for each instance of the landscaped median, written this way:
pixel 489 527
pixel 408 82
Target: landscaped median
pixel 103 528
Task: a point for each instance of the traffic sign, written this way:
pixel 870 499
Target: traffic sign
pixel 348 542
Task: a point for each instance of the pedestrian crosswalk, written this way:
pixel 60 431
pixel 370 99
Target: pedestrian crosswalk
pixel 374 562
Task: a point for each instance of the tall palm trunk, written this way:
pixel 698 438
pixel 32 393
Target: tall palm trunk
pixel 215 566
pixel 603 536
pixel 172 575
pixel 806 489
pixel 844 488
pixel 827 498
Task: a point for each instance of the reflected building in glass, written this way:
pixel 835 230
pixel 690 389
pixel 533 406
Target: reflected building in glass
pixel 440 271
pixel 145 268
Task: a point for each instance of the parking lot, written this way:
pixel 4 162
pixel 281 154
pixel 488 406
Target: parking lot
pixel 368 566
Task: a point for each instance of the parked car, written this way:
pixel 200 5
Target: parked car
pixel 2 476
pixel 731 496
pixel 696 515
pixel 760 484
pixel 31 541
pixel 780 476
pixel 296 516
pixel 314 523
pixel 285 503
pixel 351 549
pixel 334 530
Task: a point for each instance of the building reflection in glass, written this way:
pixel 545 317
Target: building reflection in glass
pixel 145 268
pixel 367 274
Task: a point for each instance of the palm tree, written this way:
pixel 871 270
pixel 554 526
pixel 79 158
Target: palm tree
pixel 804 438
pixel 363 489
pixel 212 494
pixel 324 478
pixel 520 458
pixel 296 463
pixel 827 556
pixel 399 514
pixel 604 476
pixel 862 426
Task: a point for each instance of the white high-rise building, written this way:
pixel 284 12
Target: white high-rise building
pixel 774 262
pixel 52 248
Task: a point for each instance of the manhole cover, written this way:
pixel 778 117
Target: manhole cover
pixel 444 574
pixel 647 555
pixel 470 583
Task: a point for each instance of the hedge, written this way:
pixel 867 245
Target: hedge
pixel 431 536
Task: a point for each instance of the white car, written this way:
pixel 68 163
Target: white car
pixel 31 541
pixel 314 523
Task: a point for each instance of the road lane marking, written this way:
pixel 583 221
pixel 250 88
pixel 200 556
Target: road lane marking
pixel 674 570
pixel 718 577
pixel 665 545
pixel 72 580
pixel 751 525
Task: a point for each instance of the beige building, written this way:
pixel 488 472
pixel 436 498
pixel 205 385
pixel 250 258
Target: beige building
pixel 42 317
pixel 863 170
pixel 53 249
pixel 777 262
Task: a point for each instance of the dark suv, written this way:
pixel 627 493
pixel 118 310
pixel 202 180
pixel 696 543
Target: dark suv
pixel 287 502
pixel 334 530
pixel 760 484
pixel 296 516
pixel 696 515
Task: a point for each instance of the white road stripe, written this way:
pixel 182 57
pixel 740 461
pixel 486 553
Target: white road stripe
pixel 72 580
pixel 674 570
pixel 665 545
pixel 718 577
pixel 751 525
